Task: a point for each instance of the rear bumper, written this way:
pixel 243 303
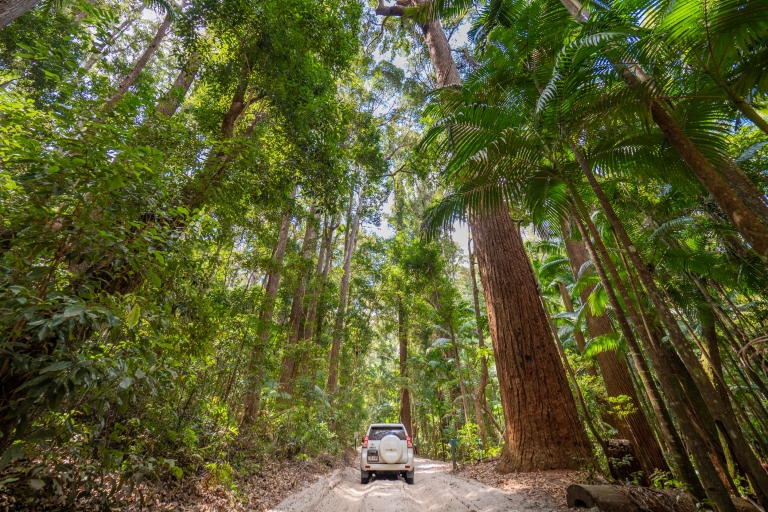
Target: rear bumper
pixel 383 468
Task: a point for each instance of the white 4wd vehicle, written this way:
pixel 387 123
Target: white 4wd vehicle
pixel 387 448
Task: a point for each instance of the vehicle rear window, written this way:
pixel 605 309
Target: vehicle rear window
pixel 379 433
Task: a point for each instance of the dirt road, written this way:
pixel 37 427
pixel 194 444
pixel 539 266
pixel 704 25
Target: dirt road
pixel 435 489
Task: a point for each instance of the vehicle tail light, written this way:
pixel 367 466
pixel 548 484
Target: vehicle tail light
pixel 365 442
pixel 408 440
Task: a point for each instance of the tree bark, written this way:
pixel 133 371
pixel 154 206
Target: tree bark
pixel 140 64
pixel 405 397
pixel 338 327
pixel 483 380
pixel 543 427
pixel 252 398
pixel 287 373
pixel 12 9
pixel 618 382
pixel 171 100
pixel 719 409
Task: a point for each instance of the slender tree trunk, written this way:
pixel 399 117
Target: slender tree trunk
pixel 140 64
pixel 483 380
pixel 634 427
pixel 457 356
pixel 12 9
pixel 684 469
pixel 252 398
pixel 338 327
pixel 95 57
pixel 581 343
pixel 716 493
pixel 405 397
pixel 543 427
pixel 324 261
pixel 171 100
pixel 287 373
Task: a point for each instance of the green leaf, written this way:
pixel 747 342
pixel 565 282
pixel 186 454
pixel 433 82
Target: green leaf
pixel 126 382
pixel 155 279
pixel 133 316
pixel 57 366
pixel 14 452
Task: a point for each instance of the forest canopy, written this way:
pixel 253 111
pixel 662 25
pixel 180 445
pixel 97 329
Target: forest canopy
pixel 237 231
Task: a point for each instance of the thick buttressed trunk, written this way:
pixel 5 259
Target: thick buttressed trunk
pixel 405 397
pixel 338 327
pixel 287 373
pixel 12 9
pixel 634 427
pixel 480 403
pixel 543 427
pixel 252 399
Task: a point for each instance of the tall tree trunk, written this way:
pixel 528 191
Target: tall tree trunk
pixel 634 427
pixel 483 380
pixel 140 64
pixel 720 410
pixel 713 485
pixel 171 100
pixel 581 343
pixel 405 397
pixel 256 372
pixel 324 260
pixel 287 373
pixel 457 356
pixel 12 9
pixel 543 427
pixel 338 327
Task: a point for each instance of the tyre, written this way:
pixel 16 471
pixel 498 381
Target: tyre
pixel 409 477
pixel 365 477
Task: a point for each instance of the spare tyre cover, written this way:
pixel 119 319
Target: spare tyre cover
pixel 391 449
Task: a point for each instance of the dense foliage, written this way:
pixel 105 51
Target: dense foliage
pixel 229 231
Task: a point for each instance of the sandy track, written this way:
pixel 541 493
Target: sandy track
pixel 435 489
